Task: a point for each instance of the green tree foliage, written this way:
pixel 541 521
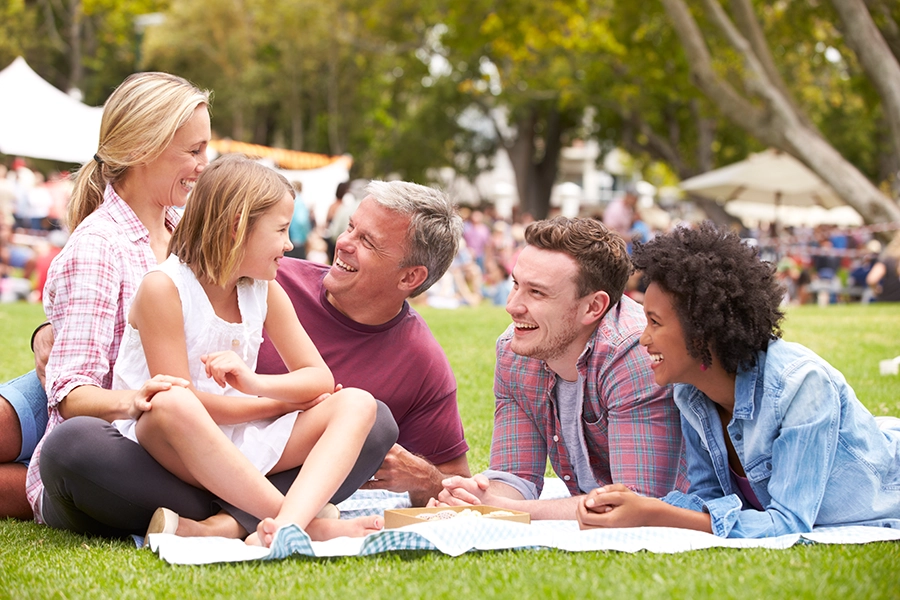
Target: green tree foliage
pixel 89 45
pixel 344 76
pixel 407 86
pixel 524 64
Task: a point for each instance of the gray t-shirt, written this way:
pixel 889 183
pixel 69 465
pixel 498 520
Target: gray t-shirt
pixel 570 404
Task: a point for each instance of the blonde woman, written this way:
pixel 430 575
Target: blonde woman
pixel 152 147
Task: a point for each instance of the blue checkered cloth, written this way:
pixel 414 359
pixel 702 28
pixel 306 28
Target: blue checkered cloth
pixel 458 536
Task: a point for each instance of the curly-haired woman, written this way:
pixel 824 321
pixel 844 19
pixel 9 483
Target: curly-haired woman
pixel 777 441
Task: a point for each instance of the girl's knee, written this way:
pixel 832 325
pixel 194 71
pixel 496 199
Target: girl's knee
pixel 177 405
pixel 356 402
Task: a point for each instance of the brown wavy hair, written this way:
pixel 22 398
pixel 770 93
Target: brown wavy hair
pixel 601 254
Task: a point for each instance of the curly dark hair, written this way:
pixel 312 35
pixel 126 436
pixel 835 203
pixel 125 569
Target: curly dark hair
pixel 727 299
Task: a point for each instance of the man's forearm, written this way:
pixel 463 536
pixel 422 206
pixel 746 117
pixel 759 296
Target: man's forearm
pixel 506 496
pixel 560 509
pixel 427 487
pixel 430 482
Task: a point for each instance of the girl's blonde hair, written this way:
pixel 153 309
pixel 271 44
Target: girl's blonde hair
pixel 139 120
pixel 229 197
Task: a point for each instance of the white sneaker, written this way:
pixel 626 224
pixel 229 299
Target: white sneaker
pixel 329 511
pixel 162 521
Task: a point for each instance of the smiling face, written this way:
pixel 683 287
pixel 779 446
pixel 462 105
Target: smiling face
pixel 545 308
pixel 366 272
pixel 171 176
pixel 664 339
pixel 268 240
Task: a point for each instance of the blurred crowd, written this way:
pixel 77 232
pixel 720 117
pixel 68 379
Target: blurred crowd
pixel 32 213
pixel 827 264
pixel 821 265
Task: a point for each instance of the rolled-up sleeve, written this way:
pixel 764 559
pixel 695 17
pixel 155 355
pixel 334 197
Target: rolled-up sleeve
pixel 84 306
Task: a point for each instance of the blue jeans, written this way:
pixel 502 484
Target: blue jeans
pixel 29 400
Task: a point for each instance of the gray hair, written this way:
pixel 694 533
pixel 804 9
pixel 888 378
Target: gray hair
pixel 435 227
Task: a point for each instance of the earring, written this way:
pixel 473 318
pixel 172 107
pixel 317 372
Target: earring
pixel 703 367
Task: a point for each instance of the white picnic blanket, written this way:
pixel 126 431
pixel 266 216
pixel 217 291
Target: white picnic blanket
pixel 458 536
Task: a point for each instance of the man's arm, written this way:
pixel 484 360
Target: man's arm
pixel 41 344
pixel 403 471
pixel 466 491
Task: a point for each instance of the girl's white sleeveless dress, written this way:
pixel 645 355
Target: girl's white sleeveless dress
pixel 262 441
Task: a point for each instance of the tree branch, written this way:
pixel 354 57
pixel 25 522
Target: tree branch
pixel 876 59
pixel 736 107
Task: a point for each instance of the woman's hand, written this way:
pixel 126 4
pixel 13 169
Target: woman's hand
pixel 308 404
pixel 228 368
pixel 140 402
pixel 614 506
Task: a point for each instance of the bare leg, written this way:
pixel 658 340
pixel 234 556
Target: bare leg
pixel 179 433
pixel 220 525
pixel 13 502
pixel 11 438
pixel 326 440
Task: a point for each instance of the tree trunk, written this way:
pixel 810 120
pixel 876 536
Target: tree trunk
pixel 76 69
pixel 535 176
pixel 296 112
pixel 521 152
pixel 876 59
pixel 334 142
pixel 775 121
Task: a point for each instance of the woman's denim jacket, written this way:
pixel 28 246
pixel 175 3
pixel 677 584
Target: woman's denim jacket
pixel 813 454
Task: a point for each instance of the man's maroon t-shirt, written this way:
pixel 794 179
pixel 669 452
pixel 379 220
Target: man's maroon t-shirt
pixel 399 362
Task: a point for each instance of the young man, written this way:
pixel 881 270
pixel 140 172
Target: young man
pixel 572 382
pixel 401 239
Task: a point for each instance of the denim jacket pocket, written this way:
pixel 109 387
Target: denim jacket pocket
pixel 760 469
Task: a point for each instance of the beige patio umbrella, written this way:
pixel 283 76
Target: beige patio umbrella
pixel 769 177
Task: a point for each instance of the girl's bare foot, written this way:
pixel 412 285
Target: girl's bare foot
pixel 319 530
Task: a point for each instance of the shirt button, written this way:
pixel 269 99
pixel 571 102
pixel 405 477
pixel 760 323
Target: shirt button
pixel 566 477
pixel 737 437
pixel 555 438
pixel 235 342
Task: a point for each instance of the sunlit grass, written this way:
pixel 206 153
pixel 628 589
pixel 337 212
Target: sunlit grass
pixel 37 562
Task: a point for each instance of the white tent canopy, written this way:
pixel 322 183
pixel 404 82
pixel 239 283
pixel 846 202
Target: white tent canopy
pixel 39 121
pixel 769 177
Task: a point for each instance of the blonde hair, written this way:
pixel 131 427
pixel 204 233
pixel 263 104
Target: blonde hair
pixel 229 197
pixel 139 120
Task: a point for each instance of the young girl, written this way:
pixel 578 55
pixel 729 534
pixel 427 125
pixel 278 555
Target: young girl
pixel 777 441
pixel 199 316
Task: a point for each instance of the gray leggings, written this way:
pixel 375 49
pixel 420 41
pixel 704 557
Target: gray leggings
pixel 98 482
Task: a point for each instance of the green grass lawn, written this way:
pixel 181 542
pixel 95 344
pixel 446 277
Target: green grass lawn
pixel 37 562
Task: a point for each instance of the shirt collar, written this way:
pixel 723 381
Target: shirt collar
pixel 123 215
pixel 745 388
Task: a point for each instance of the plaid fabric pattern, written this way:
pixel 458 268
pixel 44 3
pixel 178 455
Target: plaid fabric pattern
pixel 89 290
pixel 632 428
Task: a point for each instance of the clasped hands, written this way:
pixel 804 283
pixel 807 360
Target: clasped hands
pixel 464 491
pixel 612 505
